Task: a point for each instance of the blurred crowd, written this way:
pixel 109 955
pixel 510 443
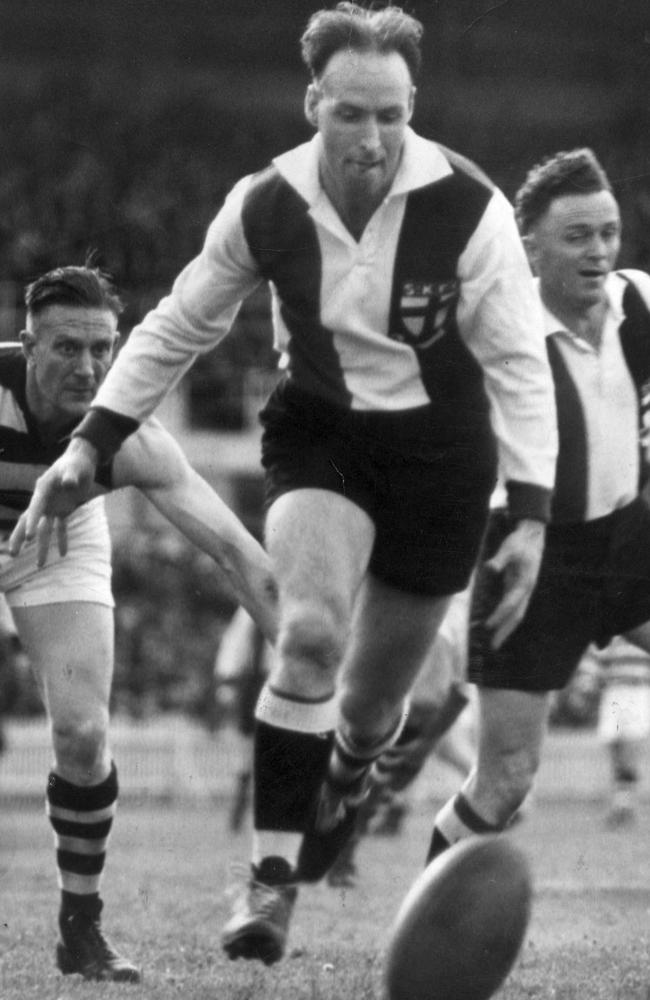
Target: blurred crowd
pixel 170 614
pixel 134 154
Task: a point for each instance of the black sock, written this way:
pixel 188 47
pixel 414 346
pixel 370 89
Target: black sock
pixel 273 871
pixel 289 767
pixel 71 902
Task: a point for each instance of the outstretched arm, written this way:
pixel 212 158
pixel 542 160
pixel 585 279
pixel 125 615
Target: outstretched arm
pixel 153 462
pixel 195 509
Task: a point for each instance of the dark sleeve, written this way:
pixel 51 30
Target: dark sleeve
pixel 526 500
pixel 106 431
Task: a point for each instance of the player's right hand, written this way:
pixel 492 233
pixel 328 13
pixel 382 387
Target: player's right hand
pixel 517 561
pixel 57 493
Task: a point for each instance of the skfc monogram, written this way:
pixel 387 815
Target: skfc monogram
pixel 426 311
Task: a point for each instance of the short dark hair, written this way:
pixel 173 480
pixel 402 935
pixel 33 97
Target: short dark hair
pixel 73 286
pixel 362 29
pixel 575 171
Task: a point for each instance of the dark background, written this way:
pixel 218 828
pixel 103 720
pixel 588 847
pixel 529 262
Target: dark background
pixel 123 123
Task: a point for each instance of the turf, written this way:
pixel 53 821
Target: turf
pixel 165 892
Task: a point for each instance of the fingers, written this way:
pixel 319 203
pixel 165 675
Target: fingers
pixel 54 498
pixel 62 535
pixel 32 516
pixel 504 618
pixel 29 522
pixel 43 539
pixel 517 561
pixel 18 536
pixel 32 525
pixel 57 493
pixel 508 614
pixel 42 533
pixel 46 527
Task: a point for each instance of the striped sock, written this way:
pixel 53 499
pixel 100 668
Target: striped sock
pixel 82 817
pixel 456 820
pixel 350 760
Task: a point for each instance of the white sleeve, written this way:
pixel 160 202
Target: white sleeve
pixel 191 320
pixel 500 318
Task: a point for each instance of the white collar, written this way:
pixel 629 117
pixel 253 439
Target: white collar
pixel 614 288
pixel 422 163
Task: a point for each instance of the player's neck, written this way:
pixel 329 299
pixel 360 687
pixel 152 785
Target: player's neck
pixel 52 425
pixel 354 209
pixel 356 215
pixel 585 320
pixel 356 219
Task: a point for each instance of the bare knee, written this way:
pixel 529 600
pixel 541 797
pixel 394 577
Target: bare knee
pixel 81 747
pixel 367 716
pixel 311 644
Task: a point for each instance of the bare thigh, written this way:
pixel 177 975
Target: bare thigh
pixel 70 648
pixel 319 544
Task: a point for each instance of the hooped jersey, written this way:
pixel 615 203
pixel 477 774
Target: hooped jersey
pixel 24 455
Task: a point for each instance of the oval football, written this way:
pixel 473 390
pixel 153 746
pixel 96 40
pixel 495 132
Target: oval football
pixel 462 923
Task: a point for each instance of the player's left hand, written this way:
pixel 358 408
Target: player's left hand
pixel 46 526
pixel 518 561
pixel 57 493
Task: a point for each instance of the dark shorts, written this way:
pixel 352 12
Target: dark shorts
pixel 428 498
pixel 594 583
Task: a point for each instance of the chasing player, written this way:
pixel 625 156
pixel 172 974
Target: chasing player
pixel 594 581
pixel 63 610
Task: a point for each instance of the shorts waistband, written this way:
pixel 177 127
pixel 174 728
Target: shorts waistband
pixel 418 431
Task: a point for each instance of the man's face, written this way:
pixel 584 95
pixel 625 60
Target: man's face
pixel 574 246
pixel 69 350
pixel 361 105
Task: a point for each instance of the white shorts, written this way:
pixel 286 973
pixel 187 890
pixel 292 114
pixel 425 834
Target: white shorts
pixel 624 710
pixel 83 574
pixel 624 713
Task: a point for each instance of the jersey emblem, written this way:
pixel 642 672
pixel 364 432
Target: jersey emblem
pixel 426 309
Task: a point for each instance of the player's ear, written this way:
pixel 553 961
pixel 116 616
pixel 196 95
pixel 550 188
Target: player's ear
pixel 115 346
pixel 28 342
pixel 531 247
pixel 411 104
pixel 312 97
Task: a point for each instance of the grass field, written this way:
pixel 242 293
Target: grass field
pixel 166 887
